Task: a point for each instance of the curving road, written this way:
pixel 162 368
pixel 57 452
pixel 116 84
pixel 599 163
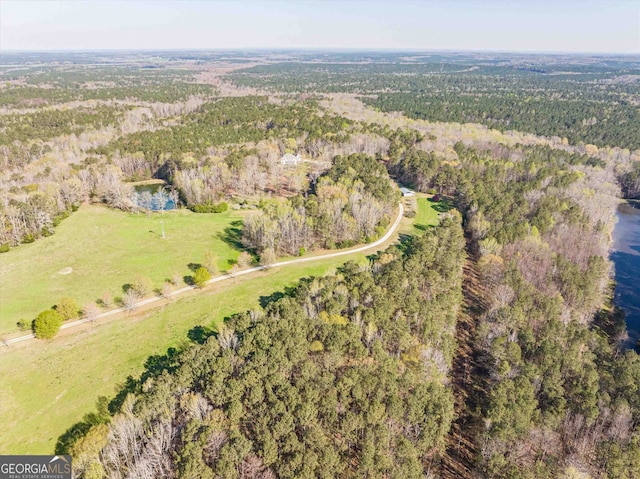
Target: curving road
pixel 217 279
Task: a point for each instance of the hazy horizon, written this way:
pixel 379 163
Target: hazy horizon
pixel 492 26
pixel 321 49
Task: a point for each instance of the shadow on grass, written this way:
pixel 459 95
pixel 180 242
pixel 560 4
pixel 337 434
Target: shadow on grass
pixel 232 235
pixel 273 297
pixel 78 430
pixel 200 334
pixel 441 206
pixel 289 291
pixel 154 366
pixel 189 279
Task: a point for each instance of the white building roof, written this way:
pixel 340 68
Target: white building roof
pixel 288 159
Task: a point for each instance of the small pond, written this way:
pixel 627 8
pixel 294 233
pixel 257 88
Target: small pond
pixel 154 197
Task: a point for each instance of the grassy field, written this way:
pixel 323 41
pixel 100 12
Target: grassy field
pixel 49 386
pixel 106 249
pixel 427 213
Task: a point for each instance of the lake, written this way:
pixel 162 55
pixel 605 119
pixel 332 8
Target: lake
pixel 626 256
pixel 153 197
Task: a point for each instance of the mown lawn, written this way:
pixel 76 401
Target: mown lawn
pixel 49 386
pixel 427 213
pixel 106 249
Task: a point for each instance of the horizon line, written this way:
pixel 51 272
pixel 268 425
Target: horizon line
pixel 322 49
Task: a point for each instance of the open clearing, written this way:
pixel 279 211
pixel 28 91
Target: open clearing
pixel 427 213
pixel 49 386
pixel 98 250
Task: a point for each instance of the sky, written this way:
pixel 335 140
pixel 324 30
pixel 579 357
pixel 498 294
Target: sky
pixel 599 26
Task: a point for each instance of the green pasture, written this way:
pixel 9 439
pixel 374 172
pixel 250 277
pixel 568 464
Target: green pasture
pixel 107 249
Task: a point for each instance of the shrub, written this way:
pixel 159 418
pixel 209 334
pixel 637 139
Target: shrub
pixel 28 238
pixel 59 217
pixel 268 257
pixel 68 308
pixel 4 247
pixel 106 300
pixel 90 311
pixel 23 324
pixel 201 276
pixel 47 324
pixel 244 259
pixel 210 262
pixel 209 208
pixel 166 290
pixel 130 299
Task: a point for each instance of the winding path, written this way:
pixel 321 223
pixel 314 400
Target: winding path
pixel 217 279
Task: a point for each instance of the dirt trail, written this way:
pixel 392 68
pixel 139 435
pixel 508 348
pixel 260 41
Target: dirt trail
pixel 469 387
pixel 160 299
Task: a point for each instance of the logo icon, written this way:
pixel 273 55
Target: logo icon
pixel 35 467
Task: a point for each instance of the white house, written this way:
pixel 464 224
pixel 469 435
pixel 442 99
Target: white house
pixel 407 192
pixel 289 159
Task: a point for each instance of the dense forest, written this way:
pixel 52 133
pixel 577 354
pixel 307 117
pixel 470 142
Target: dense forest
pixel 557 392
pixel 630 181
pixel 343 377
pixel 594 104
pixel 553 399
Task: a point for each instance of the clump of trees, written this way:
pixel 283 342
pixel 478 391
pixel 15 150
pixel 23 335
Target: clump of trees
pixel 350 203
pixel 630 181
